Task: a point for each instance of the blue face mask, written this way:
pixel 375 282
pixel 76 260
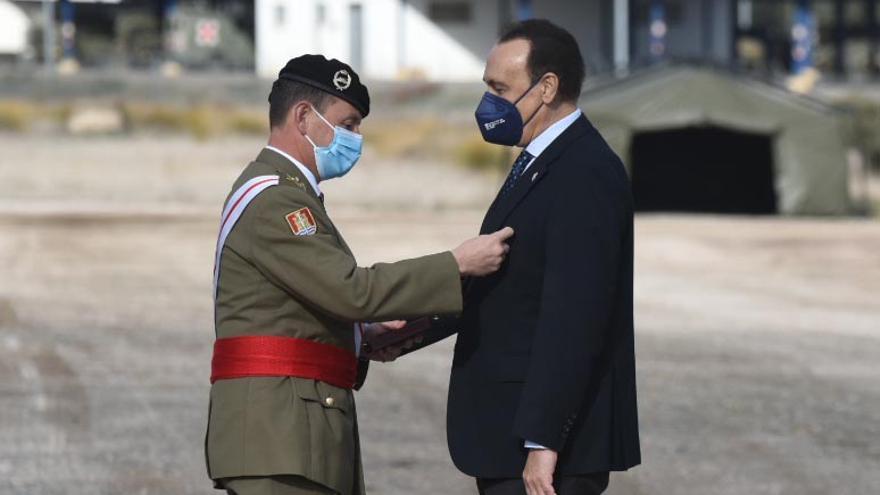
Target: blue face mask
pixel 500 121
pixel 339 157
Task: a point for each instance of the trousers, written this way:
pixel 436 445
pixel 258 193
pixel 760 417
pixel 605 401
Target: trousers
pixel 588 484
pixel 274 485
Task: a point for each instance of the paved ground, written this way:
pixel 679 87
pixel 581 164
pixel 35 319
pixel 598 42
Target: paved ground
pixel 757 341
pixel 757 352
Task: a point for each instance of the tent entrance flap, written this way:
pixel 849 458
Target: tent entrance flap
pixel 703 169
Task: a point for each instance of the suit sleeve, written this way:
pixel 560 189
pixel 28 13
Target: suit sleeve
pixel 583 248
pixel 317 270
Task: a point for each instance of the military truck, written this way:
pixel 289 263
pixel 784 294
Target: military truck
pixel 202 38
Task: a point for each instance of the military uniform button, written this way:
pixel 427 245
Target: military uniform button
pixel 329 401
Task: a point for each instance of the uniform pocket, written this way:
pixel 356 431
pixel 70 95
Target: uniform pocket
pixel 328 396
pixel 330 426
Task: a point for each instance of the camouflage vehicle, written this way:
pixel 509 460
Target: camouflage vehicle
pixel 202 38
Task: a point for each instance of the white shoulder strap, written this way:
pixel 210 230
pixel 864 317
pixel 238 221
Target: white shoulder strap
pixel 236 205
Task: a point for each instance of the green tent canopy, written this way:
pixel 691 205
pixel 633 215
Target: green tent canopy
pixel 705 140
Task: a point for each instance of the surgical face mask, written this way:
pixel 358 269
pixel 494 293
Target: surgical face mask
pixel 339 157
pixel 500 121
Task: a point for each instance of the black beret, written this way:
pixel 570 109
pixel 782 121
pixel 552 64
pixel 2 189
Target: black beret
pixel 331 76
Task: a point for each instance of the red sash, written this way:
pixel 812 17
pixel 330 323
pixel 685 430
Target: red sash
pixel 263 355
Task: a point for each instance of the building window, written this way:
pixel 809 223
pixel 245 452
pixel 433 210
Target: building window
pixel 641 11
pixel 450 12
pixel 844 43
pixel 280 15
pixel 320 13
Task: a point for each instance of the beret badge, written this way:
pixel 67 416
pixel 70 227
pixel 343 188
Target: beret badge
pixel 330 76
pixel 342 80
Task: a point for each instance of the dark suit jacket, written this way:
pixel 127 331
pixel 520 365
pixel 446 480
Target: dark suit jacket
pixel 545 346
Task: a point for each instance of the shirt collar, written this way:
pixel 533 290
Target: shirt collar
pixel 302 168
pixel 540 143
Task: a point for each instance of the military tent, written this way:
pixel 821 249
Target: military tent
pixel 705 140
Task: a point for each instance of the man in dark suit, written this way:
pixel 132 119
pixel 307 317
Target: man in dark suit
pixel 542 398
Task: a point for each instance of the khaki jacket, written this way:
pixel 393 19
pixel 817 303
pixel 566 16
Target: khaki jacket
pixel 273 282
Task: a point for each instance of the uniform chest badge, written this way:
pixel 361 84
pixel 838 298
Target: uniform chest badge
pixel 302 222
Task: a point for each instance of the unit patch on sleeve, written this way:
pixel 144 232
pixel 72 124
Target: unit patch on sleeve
pixel 302 222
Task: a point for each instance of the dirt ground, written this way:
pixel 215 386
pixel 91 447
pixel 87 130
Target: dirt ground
pixel 757 339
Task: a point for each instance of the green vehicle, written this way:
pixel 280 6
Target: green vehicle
pixel 201 38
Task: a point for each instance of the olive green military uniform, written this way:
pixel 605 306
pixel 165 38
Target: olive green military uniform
pixel 273 282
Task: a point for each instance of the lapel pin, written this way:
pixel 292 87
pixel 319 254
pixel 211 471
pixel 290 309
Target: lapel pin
pixel 534 176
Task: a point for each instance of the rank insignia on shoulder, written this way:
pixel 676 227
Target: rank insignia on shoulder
pixel 302 222
pixel 296 181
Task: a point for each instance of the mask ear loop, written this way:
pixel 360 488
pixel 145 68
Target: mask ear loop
pixel 326 122
pixel 528 90
pixel 322 117
pixel 524 95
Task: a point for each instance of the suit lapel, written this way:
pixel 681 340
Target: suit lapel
pixel 504 205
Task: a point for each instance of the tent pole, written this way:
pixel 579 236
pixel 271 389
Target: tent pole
pixel 49 36
pixel 838 37
pixel 524 10
pixel 621 35
pixel 68 30
pixel 867 162
pixel 873 37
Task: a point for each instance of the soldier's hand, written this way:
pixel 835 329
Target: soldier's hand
pixel 389 353
pixel 483 255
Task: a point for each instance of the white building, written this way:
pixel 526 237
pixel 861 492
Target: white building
pixel 440 40
pixel 14 27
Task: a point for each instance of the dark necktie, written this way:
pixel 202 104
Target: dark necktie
pixel 518 168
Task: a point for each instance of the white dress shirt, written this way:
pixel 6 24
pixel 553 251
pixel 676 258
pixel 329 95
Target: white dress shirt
pixel 546 138
pixel 535 148
pixel 302 168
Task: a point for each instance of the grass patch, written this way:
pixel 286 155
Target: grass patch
pixel 420 138
pixel 249 122
pixel 477 154
pixel 436 139
pixel 201 121
pixel 401 139
pixel 194 120
pixel 16 116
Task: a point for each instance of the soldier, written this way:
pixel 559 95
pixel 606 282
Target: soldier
pixel 289 297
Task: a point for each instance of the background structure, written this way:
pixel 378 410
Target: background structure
pixel 124 122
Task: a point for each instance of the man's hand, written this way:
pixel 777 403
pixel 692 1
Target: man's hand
pixel 388 354
pixel 484 254
pixel 538 474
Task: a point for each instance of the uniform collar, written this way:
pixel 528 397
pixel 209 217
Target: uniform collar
pixel 302 168
pixel 540 143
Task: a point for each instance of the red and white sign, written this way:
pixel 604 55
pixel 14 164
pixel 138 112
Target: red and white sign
pixel 207 32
